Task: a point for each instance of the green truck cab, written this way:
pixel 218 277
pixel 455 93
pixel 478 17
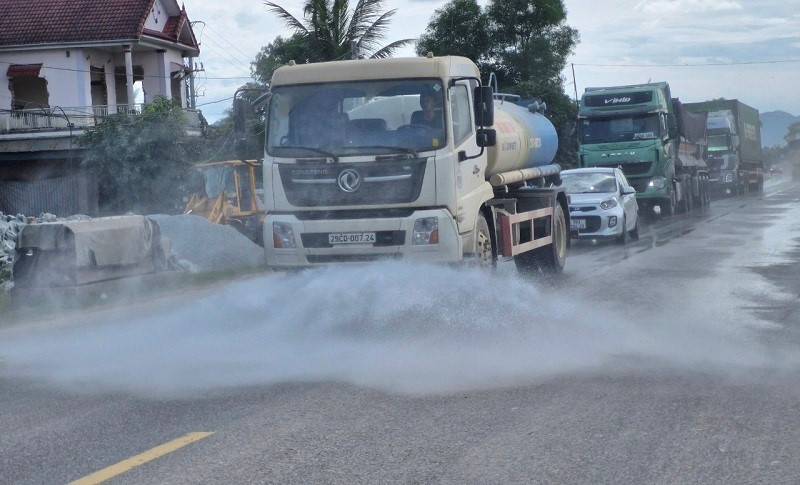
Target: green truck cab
pixel 639 128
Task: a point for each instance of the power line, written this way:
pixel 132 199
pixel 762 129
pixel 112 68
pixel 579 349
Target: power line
pixel 122 74
pixel 781 61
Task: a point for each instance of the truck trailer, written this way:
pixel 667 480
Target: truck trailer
pixel 408 158
pixel 658 144
pixel 735 163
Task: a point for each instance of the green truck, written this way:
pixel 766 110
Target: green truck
pixel 658 144
pixel 734 146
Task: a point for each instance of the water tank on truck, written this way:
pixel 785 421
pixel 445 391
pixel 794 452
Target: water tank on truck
pixel 526 141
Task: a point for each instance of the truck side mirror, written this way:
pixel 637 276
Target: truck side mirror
pixel 483 98
pixel 240 147
pixel 239 116
pixel 672 126
pixel 486 137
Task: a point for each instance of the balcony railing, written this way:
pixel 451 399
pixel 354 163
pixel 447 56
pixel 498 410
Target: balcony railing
pixel 57 119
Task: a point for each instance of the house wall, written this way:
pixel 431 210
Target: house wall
pixel 67 77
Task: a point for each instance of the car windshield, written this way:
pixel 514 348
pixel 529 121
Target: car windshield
pixel 625 128
pixel 351 118
pixel 588 182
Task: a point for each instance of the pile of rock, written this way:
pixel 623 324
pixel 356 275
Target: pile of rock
pixel 10 226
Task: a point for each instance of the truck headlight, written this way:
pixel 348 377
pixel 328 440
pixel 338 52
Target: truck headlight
pixel 609 203
pixel 658 183
pixel 283 235
pixel 426 231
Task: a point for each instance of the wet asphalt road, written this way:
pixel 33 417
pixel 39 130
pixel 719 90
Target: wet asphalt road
pixel 704 387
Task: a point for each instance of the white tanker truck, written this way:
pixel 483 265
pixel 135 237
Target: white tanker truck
pixel 409 159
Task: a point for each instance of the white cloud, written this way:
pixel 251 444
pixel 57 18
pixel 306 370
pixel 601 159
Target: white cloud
pixel 636 33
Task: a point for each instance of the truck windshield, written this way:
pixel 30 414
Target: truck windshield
pixel 718 143
pixel 353 118
pixel 620 128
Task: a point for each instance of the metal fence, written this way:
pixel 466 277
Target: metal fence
pixel 58 118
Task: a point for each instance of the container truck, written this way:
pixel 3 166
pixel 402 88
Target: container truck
pixel 734 146
pixel 658 144
pixel 355 169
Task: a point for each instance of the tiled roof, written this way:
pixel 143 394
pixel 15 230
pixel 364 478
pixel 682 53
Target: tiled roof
pixel 34 22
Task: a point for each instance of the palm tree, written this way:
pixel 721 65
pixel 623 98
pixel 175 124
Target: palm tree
pixel 331 31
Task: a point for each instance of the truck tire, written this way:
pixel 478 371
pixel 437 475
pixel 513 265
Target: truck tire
pixel 669 208
pixel 484 254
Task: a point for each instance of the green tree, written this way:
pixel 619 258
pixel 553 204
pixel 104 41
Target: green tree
pixel 142 162
pixel 330 30
pixel 793 133
pixel 461 28
pixel 276 54
pixel 526 44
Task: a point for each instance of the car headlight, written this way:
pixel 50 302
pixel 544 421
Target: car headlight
pixel 609 203
pixel 658 183
pixel 612 221
pixel 729 177
pixel 283 235
pixel 426 231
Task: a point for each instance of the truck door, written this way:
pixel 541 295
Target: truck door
pixel 470 173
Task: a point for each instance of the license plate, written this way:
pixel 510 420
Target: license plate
pixel 577 223
pixel 351 238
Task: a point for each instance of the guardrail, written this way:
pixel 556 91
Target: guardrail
pixel 58 118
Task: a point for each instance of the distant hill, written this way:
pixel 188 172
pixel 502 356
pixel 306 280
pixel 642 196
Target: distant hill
pixel 774 125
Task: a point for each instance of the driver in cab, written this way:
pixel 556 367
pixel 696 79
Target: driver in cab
pixel 429 115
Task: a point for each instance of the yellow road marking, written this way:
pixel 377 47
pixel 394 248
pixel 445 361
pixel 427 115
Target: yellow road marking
pixel 140 459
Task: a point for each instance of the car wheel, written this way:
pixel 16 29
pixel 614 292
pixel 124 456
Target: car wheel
pixel 623 237
pixel 634 234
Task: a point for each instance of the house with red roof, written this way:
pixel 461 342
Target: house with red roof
pixel 67 64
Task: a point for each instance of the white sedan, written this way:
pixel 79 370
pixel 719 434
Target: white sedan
pixel 602 203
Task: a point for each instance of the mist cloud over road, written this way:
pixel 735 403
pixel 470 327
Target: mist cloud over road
pixel 403 328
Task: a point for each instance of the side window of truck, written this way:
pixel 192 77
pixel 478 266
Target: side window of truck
pixel 460 112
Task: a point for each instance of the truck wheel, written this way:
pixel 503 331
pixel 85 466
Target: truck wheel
pixel 485 255
pixel 669 210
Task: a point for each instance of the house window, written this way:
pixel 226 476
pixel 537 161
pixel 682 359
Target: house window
pixel 120 82
pixel 28 90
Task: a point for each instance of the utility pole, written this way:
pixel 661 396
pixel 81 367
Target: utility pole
pixel 192 96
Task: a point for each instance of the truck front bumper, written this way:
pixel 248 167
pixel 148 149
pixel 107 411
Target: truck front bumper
pixel 393 237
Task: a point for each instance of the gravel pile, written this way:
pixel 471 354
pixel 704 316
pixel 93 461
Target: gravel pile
pixel 10 226
pixel 201 245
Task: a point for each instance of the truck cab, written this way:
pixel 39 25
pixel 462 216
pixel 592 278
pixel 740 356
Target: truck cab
pixel 633 128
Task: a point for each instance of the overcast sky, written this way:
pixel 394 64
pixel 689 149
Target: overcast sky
pixel 743 49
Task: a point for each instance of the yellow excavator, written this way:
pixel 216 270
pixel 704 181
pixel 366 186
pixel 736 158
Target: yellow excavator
pixel 231 195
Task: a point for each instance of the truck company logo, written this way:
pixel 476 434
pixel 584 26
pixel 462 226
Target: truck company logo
pixel 309 171
pixel 349 180
pixel 750 132
pixel 623 99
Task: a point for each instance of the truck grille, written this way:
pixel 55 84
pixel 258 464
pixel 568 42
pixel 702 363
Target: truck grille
pixel 324 184
pixel 639 185
pixel 631 168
